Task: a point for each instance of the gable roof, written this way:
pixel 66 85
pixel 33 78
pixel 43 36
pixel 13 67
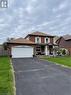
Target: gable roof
pixel 67 37
pixel 20 41
pixel 37 33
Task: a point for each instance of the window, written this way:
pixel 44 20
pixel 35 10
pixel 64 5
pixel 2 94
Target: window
pixel 46 40
pixel 3 3
pixel 37 40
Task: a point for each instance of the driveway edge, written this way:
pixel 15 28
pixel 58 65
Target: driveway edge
pixel 57 64
pixel 14 84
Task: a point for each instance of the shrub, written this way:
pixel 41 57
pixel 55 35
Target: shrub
pixel 58 52
pixel 63 51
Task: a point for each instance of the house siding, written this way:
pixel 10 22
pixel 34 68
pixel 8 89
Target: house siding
pixel 65 44
pixel 69 49
pixel 51 40
pixel 42 40
pixel 32 38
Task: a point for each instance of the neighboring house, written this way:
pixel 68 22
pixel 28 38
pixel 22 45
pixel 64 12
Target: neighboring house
pixel 65 42
pixel 36 43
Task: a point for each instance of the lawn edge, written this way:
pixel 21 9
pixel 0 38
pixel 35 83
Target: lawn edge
pixel 57 63
pixel 13 75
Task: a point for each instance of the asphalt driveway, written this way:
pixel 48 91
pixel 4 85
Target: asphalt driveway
pixel 37 77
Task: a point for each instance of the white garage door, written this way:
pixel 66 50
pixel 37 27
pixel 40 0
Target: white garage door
pixel 22 51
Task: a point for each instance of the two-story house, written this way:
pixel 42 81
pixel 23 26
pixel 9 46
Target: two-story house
pixel 36 43
pixel 43 43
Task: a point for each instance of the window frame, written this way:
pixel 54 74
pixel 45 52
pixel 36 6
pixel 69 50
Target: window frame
pixel 36 40
pixel 45 39
pixel 4 4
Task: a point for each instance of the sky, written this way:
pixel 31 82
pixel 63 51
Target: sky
pixel 26 16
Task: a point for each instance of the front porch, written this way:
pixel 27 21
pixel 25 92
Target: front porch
pixel 43 50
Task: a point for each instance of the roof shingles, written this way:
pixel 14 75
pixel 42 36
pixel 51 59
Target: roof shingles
pixel 21 41
pixel 67 37
pixel 39 34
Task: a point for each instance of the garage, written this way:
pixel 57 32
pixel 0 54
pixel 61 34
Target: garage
pixel 22 51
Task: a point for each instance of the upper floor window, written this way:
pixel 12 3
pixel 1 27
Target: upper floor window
pixel 37 40
pixel 3 3
pixel 46 40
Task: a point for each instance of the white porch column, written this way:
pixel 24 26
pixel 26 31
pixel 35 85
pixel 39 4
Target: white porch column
pixel 46 50
pixel 54 53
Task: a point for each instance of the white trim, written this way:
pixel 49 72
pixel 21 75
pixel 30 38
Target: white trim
pixel 36 39
pixel 54 40
pixel 48 40
pixel 46 50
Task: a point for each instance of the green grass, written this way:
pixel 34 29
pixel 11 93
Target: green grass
pixel 61 60
pixel 6 79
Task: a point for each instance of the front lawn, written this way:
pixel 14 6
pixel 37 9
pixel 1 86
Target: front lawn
pixel 61 60
pixel 6 79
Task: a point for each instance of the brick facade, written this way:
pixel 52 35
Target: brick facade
pixel 65 44
pixel 32 38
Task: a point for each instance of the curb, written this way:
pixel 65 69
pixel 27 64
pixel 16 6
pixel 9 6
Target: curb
pixel 14 84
